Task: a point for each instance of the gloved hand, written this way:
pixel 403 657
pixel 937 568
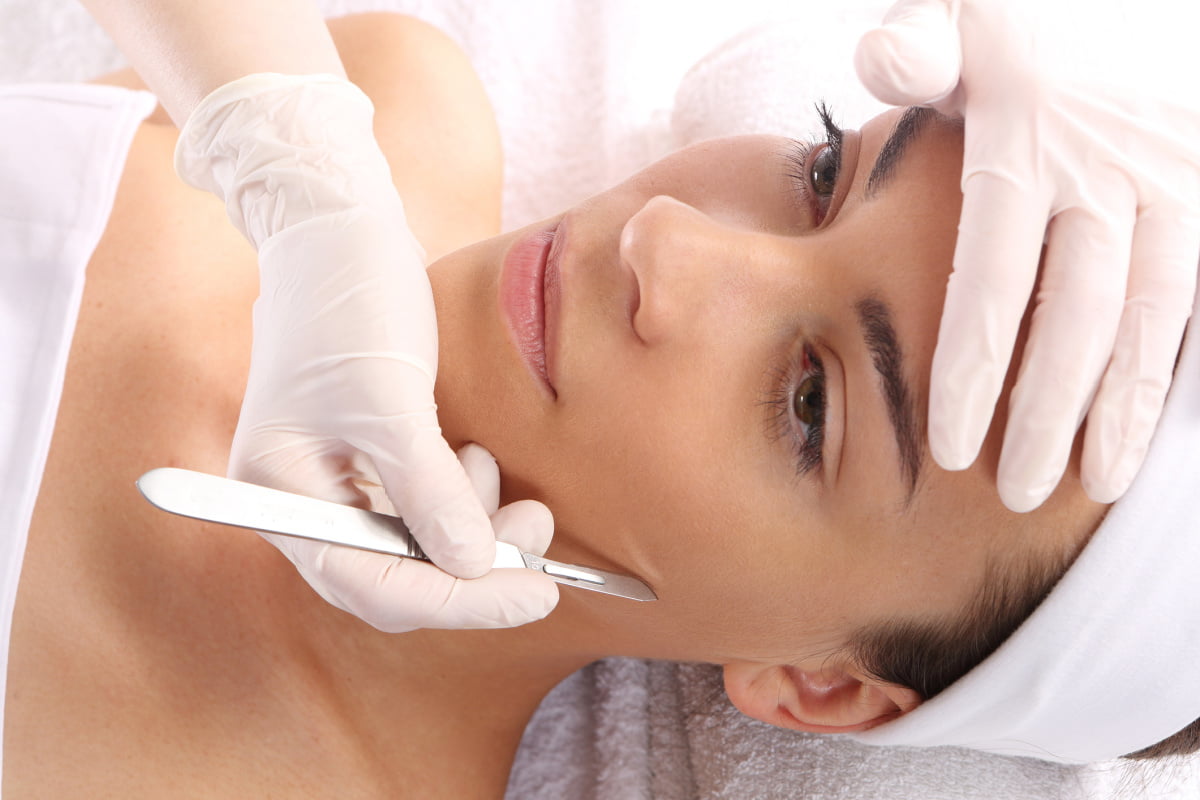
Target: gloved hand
pixel 1109 178
pixel 400 594
pixel 339 403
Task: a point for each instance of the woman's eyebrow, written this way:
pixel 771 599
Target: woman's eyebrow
pixel 914 120
pixel 875 320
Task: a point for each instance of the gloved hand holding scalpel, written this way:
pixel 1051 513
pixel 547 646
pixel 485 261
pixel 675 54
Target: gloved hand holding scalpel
pixel 339 401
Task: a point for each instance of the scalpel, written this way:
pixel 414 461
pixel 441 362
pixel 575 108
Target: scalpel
pixel 246 505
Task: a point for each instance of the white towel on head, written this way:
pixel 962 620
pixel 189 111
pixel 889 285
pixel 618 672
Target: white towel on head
pixel 768 78
pixel 1107 664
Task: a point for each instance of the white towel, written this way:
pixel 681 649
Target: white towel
pixel 626 730
pixel 63 154
pixel 585 92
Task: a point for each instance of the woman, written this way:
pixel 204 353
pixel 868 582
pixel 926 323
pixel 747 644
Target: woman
pixel 728 407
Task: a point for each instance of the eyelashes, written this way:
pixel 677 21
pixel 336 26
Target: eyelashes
pixel 797 390
pixel 814 162
pixel 833 134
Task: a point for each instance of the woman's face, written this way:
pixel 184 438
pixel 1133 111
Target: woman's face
pixel 735 391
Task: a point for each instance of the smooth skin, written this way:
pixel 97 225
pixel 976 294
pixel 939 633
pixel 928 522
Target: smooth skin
pixel 155 656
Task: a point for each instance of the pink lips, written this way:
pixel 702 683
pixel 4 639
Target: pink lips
pixel 528 279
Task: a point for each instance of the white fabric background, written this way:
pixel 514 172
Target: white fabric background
pixel 585 92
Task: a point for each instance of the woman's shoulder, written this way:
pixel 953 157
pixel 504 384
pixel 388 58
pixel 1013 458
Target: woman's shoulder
pixel 434 122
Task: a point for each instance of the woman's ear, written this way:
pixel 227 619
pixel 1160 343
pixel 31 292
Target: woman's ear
pixel 828 699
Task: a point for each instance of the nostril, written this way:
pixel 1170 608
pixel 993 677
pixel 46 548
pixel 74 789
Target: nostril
pixel 631 289
pixel 633 298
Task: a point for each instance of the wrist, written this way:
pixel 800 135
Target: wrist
pixel 281 149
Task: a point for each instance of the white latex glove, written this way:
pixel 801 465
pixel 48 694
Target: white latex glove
pixel 339 402
pixel 400 594
pixel 1109 178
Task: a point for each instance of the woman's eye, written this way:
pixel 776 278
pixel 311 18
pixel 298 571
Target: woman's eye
pixel 809 401
pixel 797 400
pixel 824 172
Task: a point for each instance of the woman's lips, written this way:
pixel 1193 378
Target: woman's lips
pixel 527 288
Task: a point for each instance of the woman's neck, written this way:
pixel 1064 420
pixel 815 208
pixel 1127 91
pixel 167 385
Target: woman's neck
pixel 444 711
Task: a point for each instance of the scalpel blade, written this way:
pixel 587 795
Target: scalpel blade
pixel 246 505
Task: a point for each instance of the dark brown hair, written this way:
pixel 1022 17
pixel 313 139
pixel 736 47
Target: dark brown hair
pixel 929 656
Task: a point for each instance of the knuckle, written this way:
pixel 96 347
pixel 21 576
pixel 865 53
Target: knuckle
pixel 1169 289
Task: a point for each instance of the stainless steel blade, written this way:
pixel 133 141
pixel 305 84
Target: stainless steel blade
pixel 246 505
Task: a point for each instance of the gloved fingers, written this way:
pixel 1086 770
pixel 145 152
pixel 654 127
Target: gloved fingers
pixel 526 523
pixel 1080 298
pixel 434 496
pixel 481 469
pixel 915 57
pixel 995 266
pixel 401 594
pixel 1162 286
pixel 504 598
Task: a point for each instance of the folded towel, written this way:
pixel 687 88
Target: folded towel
pixel 626 730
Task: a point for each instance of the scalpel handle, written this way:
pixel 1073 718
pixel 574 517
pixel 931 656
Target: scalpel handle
pixel 246 505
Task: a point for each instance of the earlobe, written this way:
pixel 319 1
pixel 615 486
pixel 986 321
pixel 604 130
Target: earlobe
pixel 828 699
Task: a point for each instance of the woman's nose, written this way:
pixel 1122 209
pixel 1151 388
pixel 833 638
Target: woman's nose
pixel 687 266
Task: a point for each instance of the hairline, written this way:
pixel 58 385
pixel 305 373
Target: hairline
pixel 927 655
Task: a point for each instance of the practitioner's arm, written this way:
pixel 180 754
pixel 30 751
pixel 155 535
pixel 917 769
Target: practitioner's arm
pixel 184 49
pixel 340 392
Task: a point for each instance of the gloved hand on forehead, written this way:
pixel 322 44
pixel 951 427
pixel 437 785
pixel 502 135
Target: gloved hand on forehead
pixel 339 402
pixel 1107 175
